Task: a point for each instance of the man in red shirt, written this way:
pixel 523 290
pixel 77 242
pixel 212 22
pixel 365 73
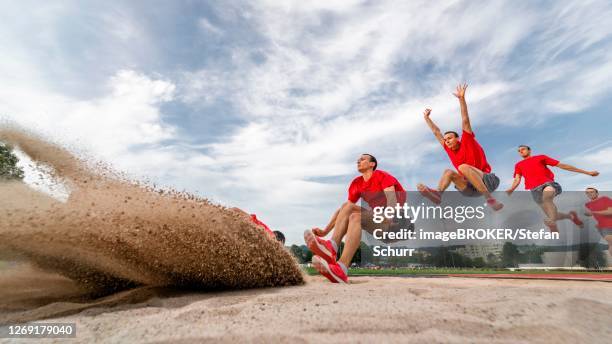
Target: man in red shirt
pixel 473 176
pixel 376 188
pixel 600 207
pixel 541 181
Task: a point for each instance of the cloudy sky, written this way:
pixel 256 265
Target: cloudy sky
pixel 266 105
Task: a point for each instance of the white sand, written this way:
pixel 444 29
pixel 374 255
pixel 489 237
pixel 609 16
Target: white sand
pixel 384 309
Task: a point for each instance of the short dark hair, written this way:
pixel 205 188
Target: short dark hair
pixel 279 236
pixel 592 188
pixel 372 159
pixel 452 132
pixel 528 148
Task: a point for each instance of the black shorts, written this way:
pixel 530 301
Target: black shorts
pixel 604 232
pixel 538 192
pixel 490 180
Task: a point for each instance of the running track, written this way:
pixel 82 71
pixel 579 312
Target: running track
pixel 567 277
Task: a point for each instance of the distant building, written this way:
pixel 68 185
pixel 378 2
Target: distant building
pixel 483 251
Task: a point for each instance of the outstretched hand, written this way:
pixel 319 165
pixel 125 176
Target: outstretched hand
pixel 593 173
pixel 319 232
pixel 460 91
pixel 426 113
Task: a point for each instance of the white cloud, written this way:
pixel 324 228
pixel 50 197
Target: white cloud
pixel 209 27
pixel 40 178
pixel 109 125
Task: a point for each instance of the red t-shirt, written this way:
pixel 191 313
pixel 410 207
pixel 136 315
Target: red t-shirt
pixel 266 228
pixel 469 152
pixel 535 170
pixel 601 203
pixel 372 190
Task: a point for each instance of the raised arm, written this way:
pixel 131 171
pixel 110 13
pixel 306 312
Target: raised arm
pixel 515 183
pixel 434 128
pixel 465 119
pixel 577 170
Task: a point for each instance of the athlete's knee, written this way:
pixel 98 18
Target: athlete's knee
pixel 464 168
pixel 355 217
pixel 449 173
pixel 345 207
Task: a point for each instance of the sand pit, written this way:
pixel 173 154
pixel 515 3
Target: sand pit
pixel 383 309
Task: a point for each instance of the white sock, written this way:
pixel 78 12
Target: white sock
pixel 343 267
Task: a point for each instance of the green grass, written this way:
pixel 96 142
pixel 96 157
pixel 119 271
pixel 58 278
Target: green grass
pixel 446 271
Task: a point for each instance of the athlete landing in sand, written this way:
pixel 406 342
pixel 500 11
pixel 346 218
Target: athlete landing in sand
pixel 600 207
pixel 348 221
pixel 541 181
pixel 253 218
pixel 473 177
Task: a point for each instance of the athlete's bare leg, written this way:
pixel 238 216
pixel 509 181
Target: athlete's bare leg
pixel 352 239
pixel 608 238
pixel 447 177
pixel 563 216
pixel 549 208
pixel 451 176
pixel 474 176
pixel 342 221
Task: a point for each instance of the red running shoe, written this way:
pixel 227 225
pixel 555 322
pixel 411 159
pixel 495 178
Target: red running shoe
pixel 320 247
pixel 333 272
pixel 575 219
pixel 494 204
pixel 429 193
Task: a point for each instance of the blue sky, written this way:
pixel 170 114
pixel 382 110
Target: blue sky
pixel 266 105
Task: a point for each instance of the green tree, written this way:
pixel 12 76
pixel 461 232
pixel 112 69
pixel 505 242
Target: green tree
pixel 590 256
pixel 492 260
pixel 366 253
pixel 444 257
pixel 531 254
pixel 479 262
pixel 510 255
pixel 358 257
pixel 296 251
pixel 8 164
pixel 306 254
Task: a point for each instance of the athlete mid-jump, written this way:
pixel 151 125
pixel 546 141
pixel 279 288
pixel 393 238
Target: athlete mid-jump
pixel 541 181
pixel 473 176
pixel 600 207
